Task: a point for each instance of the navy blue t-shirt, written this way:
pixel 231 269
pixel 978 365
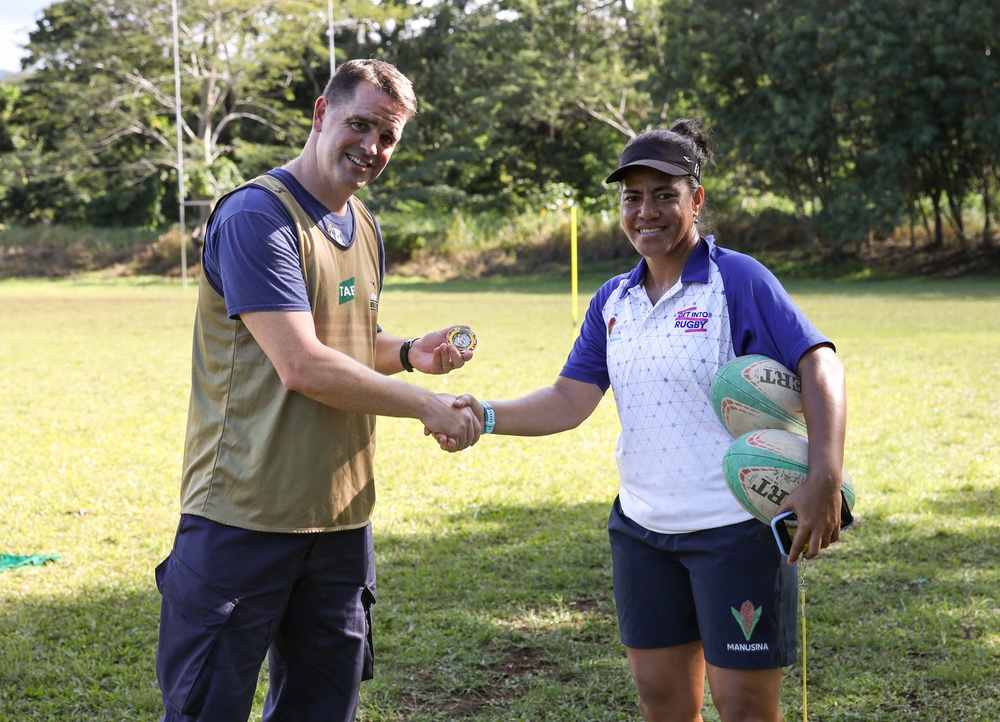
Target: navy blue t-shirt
pixel 251 253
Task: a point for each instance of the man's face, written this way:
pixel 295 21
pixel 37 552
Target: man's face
pixel 356 137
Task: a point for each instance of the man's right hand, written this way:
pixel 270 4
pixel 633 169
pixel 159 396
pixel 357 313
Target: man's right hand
pixel 454 426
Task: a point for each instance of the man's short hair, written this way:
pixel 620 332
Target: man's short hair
pixel 384 76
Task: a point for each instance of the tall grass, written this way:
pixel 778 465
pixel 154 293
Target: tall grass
pixel 494 596
pixel 85 238
pixel 463 245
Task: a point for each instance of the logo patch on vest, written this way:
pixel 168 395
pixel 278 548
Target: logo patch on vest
pixel 346 291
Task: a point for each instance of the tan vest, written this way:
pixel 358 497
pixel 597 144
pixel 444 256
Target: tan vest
pixel 257 455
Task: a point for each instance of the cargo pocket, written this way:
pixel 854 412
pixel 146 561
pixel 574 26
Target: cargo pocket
pixel 192 617
pixel 367 600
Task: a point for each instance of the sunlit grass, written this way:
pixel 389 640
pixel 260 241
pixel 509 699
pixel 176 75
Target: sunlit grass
pixel 494 596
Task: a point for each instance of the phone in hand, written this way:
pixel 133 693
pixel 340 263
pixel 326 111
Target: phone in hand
pixel 783 525
pixel 780 528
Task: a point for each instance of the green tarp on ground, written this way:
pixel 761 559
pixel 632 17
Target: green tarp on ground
pixel 12 561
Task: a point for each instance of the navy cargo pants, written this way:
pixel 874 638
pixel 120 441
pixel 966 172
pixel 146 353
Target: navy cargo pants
pixel 233 596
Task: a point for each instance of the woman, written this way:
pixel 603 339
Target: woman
pixel 699 584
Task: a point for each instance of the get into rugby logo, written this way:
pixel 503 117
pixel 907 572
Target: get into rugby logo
pixel 691 320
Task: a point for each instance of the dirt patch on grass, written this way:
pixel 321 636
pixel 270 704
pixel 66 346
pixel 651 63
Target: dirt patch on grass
pixel 513 663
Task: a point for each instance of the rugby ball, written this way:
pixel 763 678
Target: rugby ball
pixel 756 392
pixel 763 467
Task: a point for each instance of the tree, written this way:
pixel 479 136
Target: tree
pixel 112 130
pixel 500 86
pixel 856 111
pixel 54 112
pixel 769 87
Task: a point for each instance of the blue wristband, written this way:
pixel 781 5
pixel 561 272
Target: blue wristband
pixel 489 418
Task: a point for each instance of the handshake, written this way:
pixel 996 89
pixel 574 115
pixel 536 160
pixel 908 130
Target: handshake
pixel 456 422
pixel 459 423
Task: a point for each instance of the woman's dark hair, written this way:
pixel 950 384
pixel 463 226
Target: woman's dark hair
pixel 686 133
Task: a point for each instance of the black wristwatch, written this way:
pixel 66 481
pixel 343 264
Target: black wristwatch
pixel 404 354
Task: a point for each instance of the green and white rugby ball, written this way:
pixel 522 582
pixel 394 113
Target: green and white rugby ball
pixel 763 467
pixel 756 392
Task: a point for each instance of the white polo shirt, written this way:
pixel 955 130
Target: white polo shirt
pixel 660 360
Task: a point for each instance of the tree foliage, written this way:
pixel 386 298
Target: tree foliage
pixel 500 84
pixel 862 116
pixel 856 111
pixel 99 102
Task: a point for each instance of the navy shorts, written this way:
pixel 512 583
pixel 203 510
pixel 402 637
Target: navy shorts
pixel 233 596
pixel 728 588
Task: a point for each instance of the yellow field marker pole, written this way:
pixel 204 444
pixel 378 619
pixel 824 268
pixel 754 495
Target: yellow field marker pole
pixel 802 593
pixel 574 266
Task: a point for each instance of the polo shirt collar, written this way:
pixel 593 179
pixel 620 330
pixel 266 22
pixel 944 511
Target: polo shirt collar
pixel 695 269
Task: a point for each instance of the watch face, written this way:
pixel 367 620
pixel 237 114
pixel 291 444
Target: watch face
pixel 462 338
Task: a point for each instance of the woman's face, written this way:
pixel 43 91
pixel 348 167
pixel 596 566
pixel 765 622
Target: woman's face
pixel 658 212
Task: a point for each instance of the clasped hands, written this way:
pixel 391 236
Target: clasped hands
pixel 465 406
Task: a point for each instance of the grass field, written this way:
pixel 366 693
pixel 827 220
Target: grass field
pixel 494 597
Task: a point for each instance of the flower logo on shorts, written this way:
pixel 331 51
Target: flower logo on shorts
pixel 747 617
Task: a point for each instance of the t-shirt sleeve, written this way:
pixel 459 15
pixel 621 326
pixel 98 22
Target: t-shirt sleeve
pixel 251 255
pixel 763 318
pixel 588 359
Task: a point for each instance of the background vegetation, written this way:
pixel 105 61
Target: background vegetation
pixel 494 596
pixel 840 126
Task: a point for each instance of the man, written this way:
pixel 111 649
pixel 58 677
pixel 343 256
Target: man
pixel 273 553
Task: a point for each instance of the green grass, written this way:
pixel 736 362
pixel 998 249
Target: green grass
pixel 494 597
